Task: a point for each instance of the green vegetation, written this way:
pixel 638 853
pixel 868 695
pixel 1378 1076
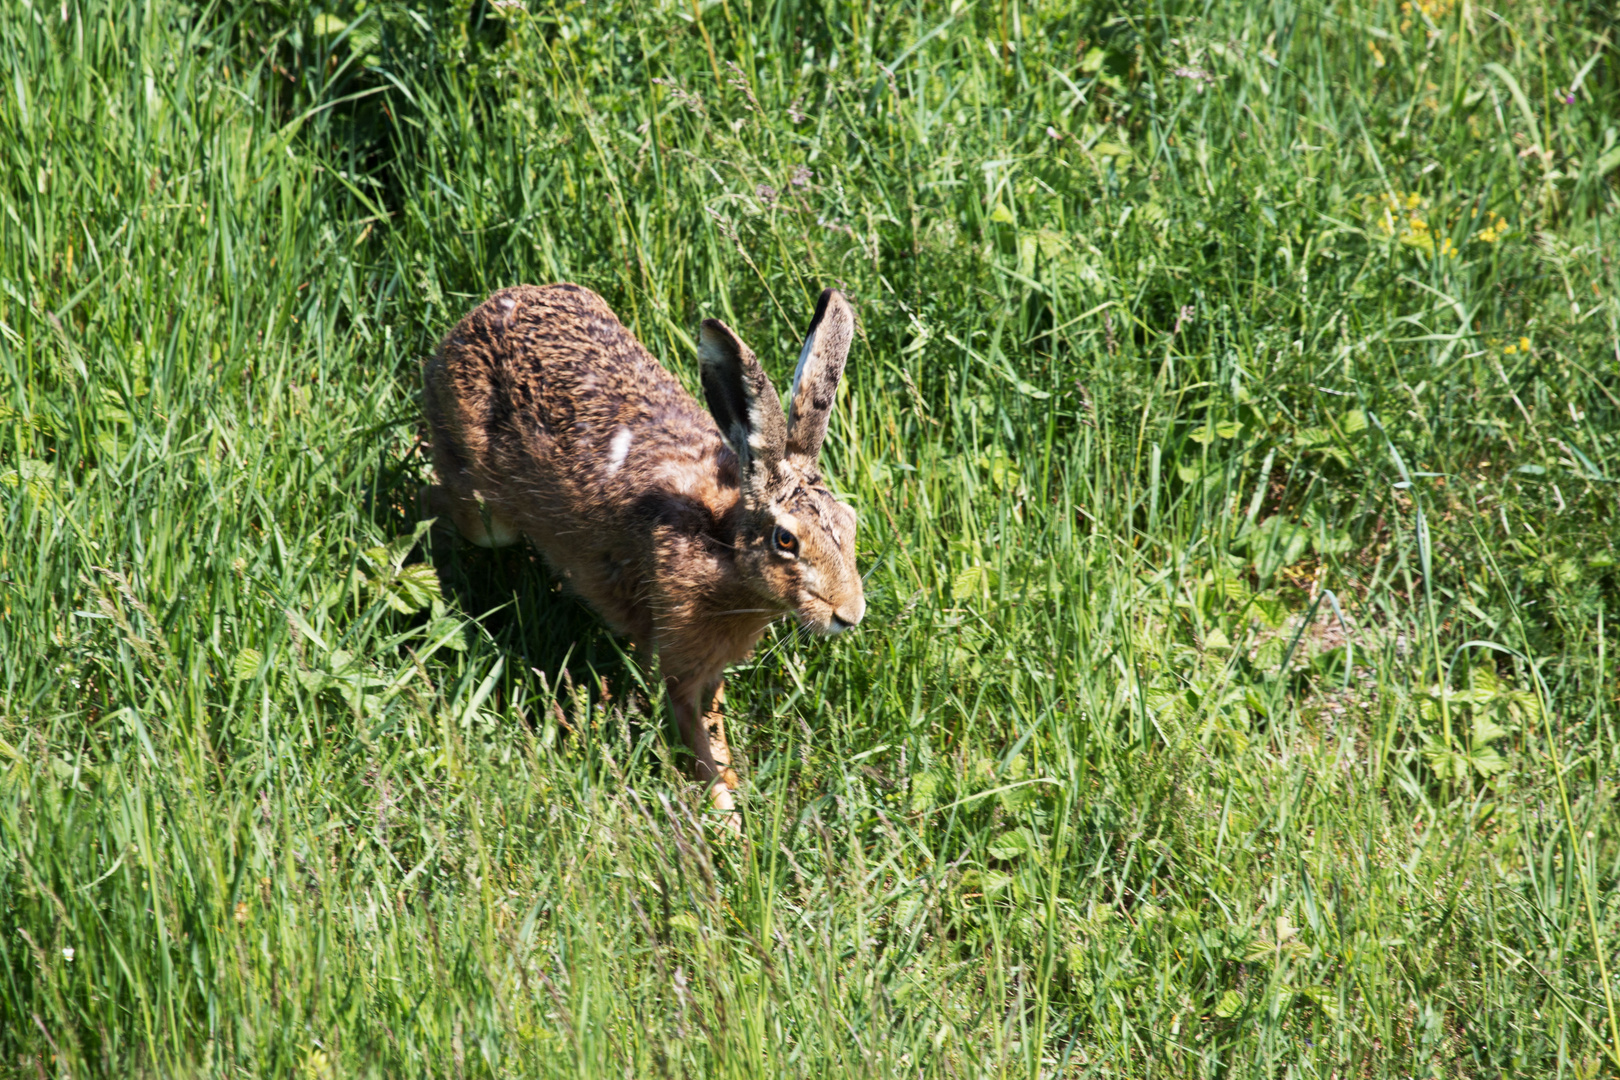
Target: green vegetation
pixel 1235 427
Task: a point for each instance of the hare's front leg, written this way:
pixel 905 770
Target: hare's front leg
pixel 473 519
pixel 697 714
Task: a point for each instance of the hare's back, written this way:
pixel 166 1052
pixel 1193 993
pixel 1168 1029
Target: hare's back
pixel 551 363
pixel 553 348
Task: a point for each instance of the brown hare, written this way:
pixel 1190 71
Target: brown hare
pixel 688 531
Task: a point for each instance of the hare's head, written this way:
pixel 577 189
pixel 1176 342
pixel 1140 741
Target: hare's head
pixel 796 543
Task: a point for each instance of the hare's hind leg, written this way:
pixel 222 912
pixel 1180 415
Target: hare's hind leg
pixel 474 519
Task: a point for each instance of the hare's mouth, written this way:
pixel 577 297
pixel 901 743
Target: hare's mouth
pixel 822 625
pixel 830 624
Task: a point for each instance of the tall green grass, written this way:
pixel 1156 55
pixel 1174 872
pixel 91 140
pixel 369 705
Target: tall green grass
pixel 1233 426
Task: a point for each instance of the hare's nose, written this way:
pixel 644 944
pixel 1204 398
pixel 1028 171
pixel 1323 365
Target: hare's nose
pixel 849 615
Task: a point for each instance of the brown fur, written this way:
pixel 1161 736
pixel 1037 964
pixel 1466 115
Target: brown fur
pixel 550 420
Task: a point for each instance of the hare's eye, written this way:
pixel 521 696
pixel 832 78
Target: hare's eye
pixel 784 541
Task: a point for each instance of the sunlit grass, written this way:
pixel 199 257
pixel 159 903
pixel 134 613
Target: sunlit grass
pixel 1235 425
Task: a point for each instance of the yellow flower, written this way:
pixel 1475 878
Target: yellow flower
pixel 1434 9
pixel 1524 344
pixel 1510 350
pixel 1399 214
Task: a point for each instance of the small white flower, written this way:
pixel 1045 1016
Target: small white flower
pixel 67 954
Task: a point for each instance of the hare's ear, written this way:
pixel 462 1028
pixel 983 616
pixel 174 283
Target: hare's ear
pixel 743 402
pixel 815 382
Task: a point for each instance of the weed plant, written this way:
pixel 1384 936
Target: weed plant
pixel 1233 424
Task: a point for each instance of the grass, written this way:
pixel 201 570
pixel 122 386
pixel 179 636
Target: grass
pixel 1235 426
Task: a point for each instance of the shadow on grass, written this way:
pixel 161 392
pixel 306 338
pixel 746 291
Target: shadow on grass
pixel 560 658
pixel 510 595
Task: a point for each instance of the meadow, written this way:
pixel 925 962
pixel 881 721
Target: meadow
pixel 1235 429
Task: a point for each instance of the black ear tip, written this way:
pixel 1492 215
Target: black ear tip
pixel 823 302
pixel 717 344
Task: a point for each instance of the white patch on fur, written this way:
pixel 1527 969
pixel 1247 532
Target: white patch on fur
pixel 508 303
pixel 618 449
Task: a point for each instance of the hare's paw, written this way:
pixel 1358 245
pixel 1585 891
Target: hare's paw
pixel 723 805
pixel 474 519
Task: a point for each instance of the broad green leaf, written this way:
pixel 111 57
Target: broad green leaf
pixel 1608 162
pixel 446 632
pixel 314 681
pixel 1277 542
pixel 923 787
pixel 1447 764
pixel 246 665
pixel 1487 761
pixel 967 583
pixel 1163 700
pixel 985 882
pixel 1331 541
pixel 1013 845
pixel 1485 730
pixel 1322 997
pixel 417 584
pixel 33 474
